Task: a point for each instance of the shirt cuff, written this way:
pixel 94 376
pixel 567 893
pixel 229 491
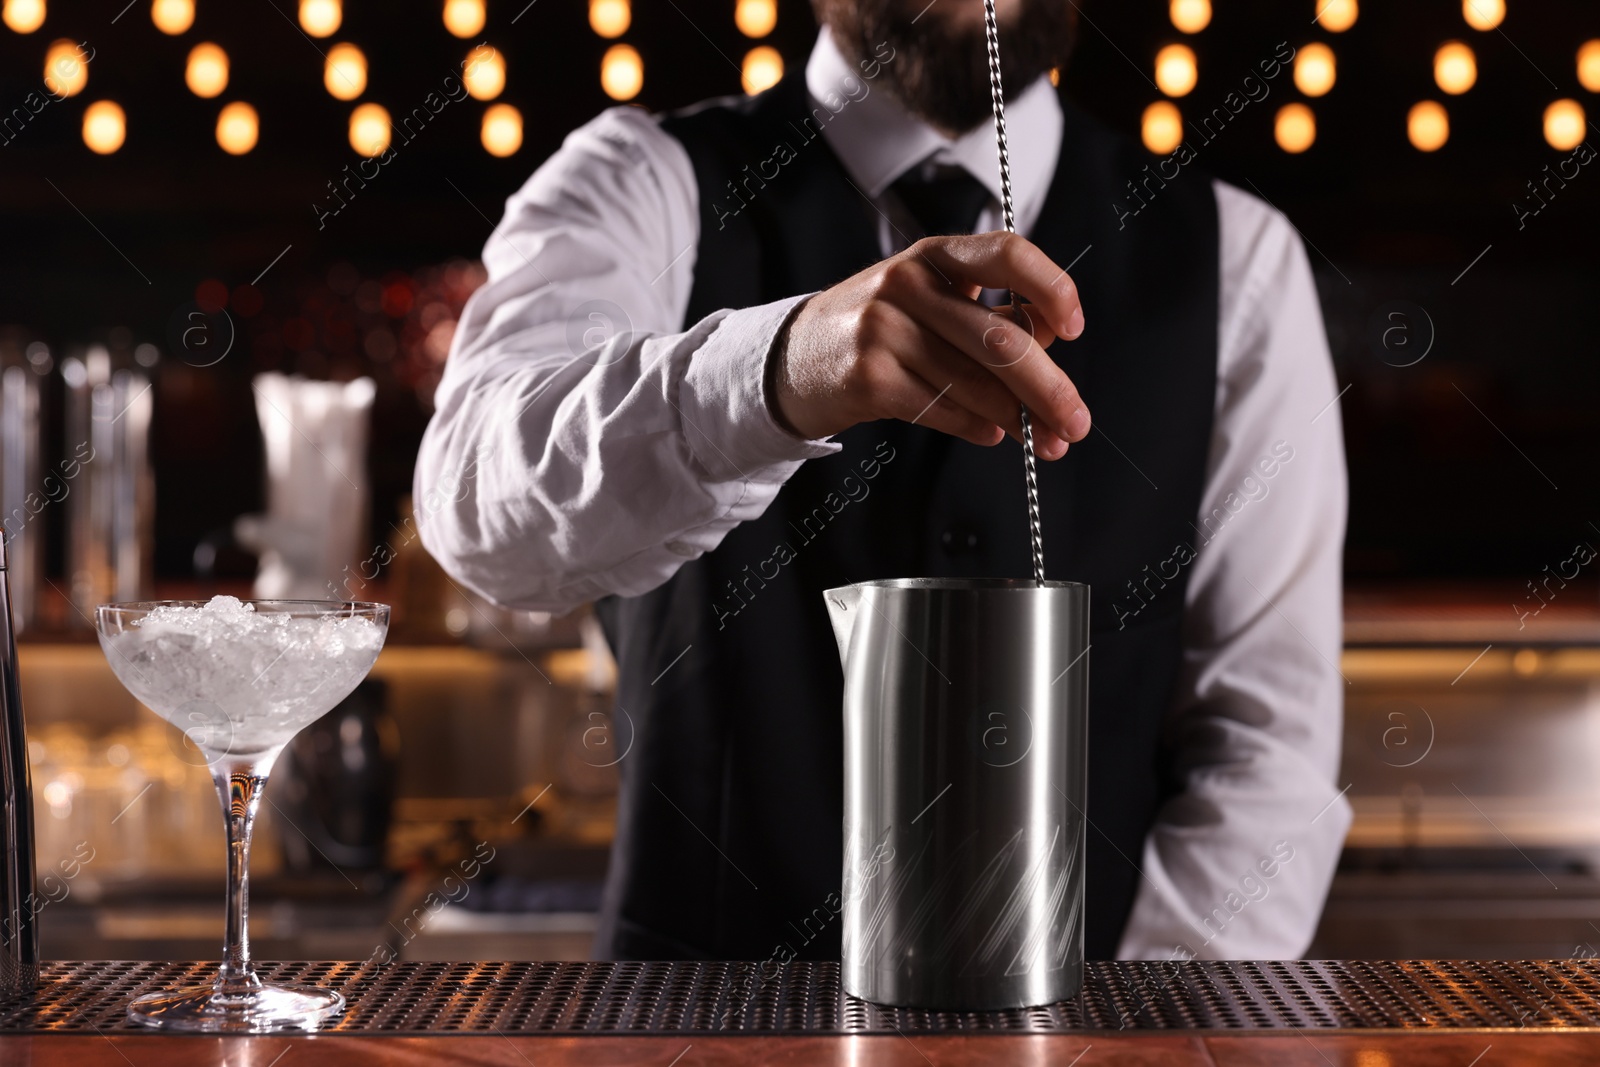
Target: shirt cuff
pixel 726 420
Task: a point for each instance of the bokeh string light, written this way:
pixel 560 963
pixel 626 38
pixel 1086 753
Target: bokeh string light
pixel 484 73
pixel 1336 16
pixel 464 17
pixel 502 130
pixel 763 68
pixel 344 72
pixel 1589 66
pixel 1564 125
pixel 321 18
pixel 1295 128
pixel 369 129
pixel 621 72
pixel 23 16
pixel 1190 16
pixel 172 17
pixel 1427 126
pixel 238 128
pixel 66 70
pixel 1314 69
pixel 105 127
pixel 1483 14
pixel 1176 70
pixel 206 73
pixel 1161 128
pixel 610 18
pixel 756 18
pixel 1455 68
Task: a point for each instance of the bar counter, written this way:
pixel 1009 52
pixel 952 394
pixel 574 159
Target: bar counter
pixel 1366 1014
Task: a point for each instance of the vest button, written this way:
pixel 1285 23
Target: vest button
pixel 959 539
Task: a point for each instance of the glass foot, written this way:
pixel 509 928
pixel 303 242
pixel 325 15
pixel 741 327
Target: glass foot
pixel 203 1009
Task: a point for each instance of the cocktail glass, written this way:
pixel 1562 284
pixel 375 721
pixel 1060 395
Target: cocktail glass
pixel 240 679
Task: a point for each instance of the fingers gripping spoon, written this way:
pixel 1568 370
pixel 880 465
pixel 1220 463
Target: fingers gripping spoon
pixel 992 34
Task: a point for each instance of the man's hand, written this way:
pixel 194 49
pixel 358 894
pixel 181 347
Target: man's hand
pixel 907 339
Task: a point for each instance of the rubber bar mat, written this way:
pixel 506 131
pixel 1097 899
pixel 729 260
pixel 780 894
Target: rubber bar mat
pixel 679 998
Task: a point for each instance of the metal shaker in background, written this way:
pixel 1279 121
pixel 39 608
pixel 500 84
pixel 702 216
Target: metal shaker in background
pixel 23 496
pixel 312 539
pixel 965 746
pixel 19 931
pixel 111 511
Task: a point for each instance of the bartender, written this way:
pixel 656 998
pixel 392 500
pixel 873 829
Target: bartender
pixel 730 357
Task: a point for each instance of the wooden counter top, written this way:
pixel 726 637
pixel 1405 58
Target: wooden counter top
pixel 1258 1049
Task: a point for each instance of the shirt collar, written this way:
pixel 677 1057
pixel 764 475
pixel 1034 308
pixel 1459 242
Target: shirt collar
pixel 877 140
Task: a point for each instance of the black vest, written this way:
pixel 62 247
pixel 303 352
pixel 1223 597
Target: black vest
pixel 729 831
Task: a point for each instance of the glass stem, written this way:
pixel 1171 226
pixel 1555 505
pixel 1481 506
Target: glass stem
pixel 239 787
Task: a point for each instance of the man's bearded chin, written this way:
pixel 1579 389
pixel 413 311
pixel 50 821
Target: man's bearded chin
pixel 940 71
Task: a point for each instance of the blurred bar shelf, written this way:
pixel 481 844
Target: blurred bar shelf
pixel 1472 613
pixel 1471 734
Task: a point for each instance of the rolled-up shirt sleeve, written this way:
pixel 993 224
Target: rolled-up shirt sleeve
pixel 584 442
pixel 1240 860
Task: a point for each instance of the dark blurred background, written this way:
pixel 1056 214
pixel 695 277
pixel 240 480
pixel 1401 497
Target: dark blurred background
pixel 1473 462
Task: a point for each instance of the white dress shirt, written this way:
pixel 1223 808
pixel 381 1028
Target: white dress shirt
pixel 586 444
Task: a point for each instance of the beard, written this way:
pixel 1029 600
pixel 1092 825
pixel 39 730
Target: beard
pixel 940 71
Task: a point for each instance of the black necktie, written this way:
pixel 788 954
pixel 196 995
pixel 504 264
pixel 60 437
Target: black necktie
pixel 943 199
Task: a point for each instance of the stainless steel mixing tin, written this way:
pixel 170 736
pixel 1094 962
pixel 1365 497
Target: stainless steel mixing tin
pixel 965 743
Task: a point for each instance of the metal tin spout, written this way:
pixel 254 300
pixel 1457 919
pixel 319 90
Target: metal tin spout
pixel 844 605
